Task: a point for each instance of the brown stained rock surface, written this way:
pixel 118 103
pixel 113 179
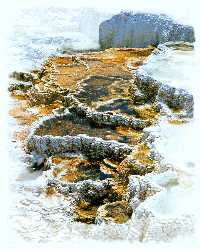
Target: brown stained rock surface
pixel 104 82
pixel 116 212
pixel 75 125
pixel 74 169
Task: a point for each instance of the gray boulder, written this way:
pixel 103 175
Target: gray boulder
pixel 141 30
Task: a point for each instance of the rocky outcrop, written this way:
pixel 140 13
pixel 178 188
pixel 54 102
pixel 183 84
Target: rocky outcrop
pixel 155 91
pixel 139 188
pixel 25 76
pixel 141 30
pixel 92 110
pixel 22 86
pixel 105 118
pixel 87 196
pixel 93 148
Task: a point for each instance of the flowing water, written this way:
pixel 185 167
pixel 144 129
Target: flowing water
pixel 41 32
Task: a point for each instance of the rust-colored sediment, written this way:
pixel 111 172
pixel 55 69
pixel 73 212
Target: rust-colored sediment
pixel 74 169
pixel 69 72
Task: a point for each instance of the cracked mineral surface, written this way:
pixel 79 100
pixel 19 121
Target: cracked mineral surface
pixel 85 120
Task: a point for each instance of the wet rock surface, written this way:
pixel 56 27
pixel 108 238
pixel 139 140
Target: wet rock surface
pixel 88 115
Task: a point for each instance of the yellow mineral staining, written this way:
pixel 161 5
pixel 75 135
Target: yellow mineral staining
pixel 68 72
pixel 176 110
pixel 176 121
pixel 112 168
pixel 40 85
pixel 51 191
pixel 146 112
pixel 121 55
pixel 134 63
pixel 120 187
pixel 73 169
pixel 47 109
pixel 85 213
pixel 61 60
pixel 18 95
pixel 67 77
pixel 142 154
pixel 139 162
pixel 125 168
pixel 57 160
pixel 116 212
pixel 24 116
pixel 135 135
pixel 68 169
